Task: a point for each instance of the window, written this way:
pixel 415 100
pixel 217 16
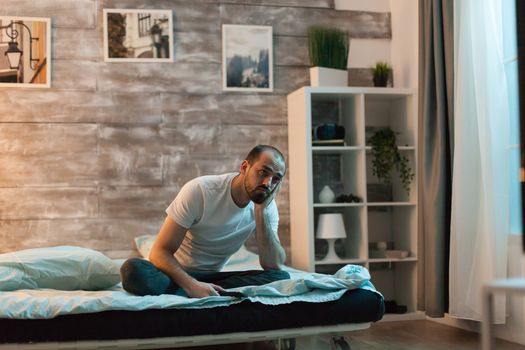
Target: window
pixel 510 60
pixel 144 24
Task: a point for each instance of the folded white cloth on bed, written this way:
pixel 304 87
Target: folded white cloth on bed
pixel 309 287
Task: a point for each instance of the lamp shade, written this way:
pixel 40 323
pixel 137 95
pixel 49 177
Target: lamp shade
pixel 14 55
pixel 331 226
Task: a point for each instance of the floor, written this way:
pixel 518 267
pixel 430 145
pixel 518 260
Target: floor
pixel 405 335
pixel 420 335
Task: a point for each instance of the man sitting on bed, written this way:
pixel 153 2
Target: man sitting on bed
pixel 208 221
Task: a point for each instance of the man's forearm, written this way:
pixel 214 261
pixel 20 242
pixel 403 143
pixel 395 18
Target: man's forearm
pixel 271 253
pixel 168 264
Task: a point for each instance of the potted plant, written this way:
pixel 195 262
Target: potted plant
pixel 328 50
pixel 381 72
pixel 386 157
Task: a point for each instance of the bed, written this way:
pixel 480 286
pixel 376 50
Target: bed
pixel 40 317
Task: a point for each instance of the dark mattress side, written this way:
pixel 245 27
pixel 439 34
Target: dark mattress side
pixel 355 306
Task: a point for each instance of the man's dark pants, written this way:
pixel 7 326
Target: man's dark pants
pixel 141 277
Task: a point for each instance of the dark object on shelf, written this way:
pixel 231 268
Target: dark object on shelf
pixel 329 131
pixel 380 81
pixel 381 73
pixel 391 307
pixel 334 142
pixel 379 192
pixel 348 198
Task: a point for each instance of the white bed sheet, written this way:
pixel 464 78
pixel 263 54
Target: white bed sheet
pixel 309 287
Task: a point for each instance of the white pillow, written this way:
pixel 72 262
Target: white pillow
pixel 63 268
pixel 144 244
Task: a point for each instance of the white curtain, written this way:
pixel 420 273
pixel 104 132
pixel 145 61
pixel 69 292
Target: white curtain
pixel 480 185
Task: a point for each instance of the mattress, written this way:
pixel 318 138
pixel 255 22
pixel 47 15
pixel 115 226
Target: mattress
pixel 306 300
pixel 355 306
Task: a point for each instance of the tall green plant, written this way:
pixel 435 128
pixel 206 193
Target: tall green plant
pixel 328 47
pixel 386 157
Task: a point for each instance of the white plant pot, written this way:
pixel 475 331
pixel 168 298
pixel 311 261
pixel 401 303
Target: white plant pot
pixel 321 76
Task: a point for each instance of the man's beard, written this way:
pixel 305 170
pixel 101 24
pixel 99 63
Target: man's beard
pixel 258 194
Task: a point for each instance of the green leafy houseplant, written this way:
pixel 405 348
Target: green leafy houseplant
pixel 328 47
pixel 386 157
pixel 380 72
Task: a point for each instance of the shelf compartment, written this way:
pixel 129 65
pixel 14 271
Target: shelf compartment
pixel 344 110
pixel 396 281
pixel 343 172
pixel 393 111
pixel 395 225
pixel 354 246
pixel 393 192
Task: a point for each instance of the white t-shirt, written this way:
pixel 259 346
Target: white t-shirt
pixel 217 227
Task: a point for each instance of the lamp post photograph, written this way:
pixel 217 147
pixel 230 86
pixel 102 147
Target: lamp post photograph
pixel 25 51
pixel 133 35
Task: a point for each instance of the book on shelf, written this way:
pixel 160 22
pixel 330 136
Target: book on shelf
pixel 335 142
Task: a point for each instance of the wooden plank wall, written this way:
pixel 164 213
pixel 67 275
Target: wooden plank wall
pixel 95 159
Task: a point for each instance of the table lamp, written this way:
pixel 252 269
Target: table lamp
pixel 331 227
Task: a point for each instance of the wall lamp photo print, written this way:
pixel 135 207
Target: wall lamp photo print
pixel 25 51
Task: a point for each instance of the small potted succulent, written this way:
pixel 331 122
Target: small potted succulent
pixel 381 72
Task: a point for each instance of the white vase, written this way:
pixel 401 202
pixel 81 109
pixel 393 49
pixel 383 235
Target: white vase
pixel 321 76
pixel 326 195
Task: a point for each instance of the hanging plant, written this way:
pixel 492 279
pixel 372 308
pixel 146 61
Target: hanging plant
pixel 386 157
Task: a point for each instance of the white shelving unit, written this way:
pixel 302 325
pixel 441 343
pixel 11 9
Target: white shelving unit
pixel 347 168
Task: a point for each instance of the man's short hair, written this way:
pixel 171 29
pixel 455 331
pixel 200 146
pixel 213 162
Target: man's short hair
pixel 254 154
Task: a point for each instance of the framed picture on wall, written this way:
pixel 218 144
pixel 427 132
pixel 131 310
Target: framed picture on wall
pixel 247 59
pixel 25 51
pixel 133 35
